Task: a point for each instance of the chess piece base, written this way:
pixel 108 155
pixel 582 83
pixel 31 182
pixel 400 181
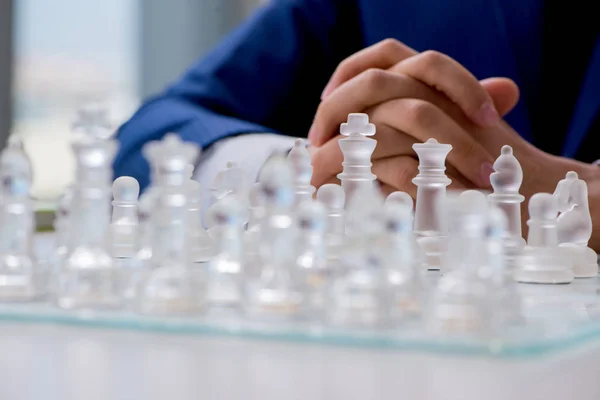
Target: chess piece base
pixel 585 260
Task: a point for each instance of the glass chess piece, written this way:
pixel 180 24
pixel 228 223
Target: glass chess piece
pixel 359 296
pixel 277 293
pixel 88 276
pixel 402 259
pixel 506 298
pixel 225 278
pixel 313 266
pixel 574 225
pixel 92 120
pixel 431 226
pixel 506 181
pixel 332 196
pixel 134 272
pixel 21 277
pixel 124 221
pixel 357 148
pixel 171 286
pixel 460 303
pixel 300 160
pixel 542 260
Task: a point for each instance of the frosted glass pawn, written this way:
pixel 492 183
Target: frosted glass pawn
pixel 277 293
pixel 431 227
pixel 399 197
pixel 201 245
pixel 357 149
pixel 359 296
pixel 171 286
pixel 506 181
pixel 124 221
pixel 224 290
pixel 398 248
pixel 468 205
pixel 403 199
pixel 460 304
pixel 20 278
pixel 300 160
pixel 575 225
pixel 311 251
pixel 89 278
pixel 333 198
pixel 132 276
pixel 543 261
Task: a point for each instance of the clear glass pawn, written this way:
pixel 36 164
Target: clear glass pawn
pixel 276 294
pixel 460 304
pixel 225 278
pixel 124 221
pixel 88 276
pixel 133 275
pixel 310 251
pixel 398 247
pixel 171 286
pixel 503 288
pixel 359 296
pixel 333 197
pixel 20 278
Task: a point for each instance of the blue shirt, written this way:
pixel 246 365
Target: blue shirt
pixel 267 76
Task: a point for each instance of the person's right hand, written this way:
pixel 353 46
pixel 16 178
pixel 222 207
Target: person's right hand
pixel 421 111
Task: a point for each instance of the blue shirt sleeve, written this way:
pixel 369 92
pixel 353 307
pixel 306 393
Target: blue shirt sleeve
pixel 266 76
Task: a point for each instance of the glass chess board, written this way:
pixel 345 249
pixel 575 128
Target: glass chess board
pixel 555 318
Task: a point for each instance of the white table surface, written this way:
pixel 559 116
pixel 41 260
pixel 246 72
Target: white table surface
pixel 51 362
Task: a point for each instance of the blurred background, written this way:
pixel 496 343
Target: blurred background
pixel 59 55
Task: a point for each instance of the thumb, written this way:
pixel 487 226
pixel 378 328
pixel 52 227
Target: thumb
pixel 504 93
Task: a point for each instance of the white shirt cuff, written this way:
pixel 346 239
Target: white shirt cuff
pixel 249 151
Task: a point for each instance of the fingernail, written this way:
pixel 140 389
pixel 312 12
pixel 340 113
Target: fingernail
pixel 487 115
pixel 486 170
pixel 326 91
pixel 312 134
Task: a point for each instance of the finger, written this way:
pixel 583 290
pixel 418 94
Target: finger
pixel 398 173
pixel 367 89
pixel 386 189
pixel 455 81
pixel 457 177
pixel 326 162
pixel 504 92
pixel 382 55
pixel 423 120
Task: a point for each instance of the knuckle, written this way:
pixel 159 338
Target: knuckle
pixel 420 112
pixel 403 175
pixel 375 78
pixel 390 44
pixel 434 58
pixel 345 66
